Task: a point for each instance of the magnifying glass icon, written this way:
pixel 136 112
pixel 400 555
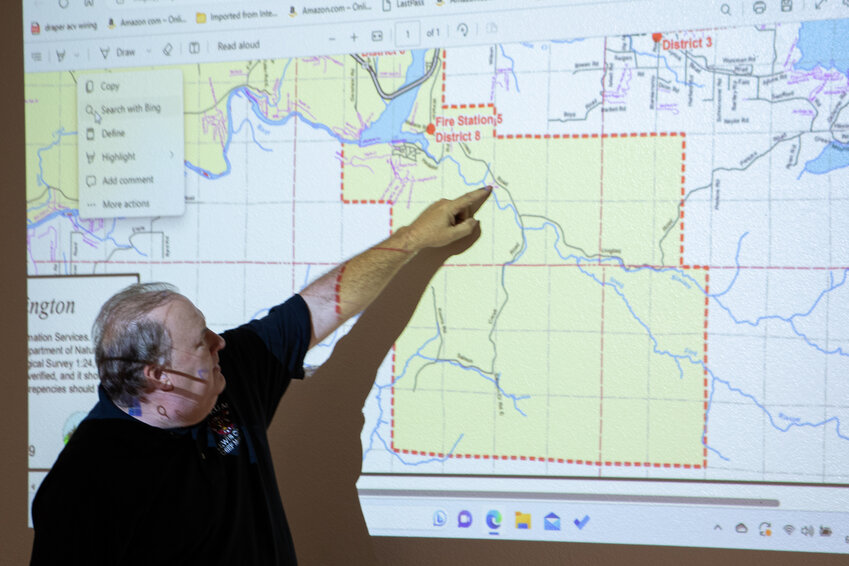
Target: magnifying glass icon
pixel 90 111
pixel 725 9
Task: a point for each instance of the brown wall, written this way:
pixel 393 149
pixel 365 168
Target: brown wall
pixel 15 537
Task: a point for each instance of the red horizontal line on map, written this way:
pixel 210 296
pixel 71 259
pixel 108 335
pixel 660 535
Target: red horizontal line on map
pixel 589 136
pixel 705 371
pixel 578 461
pixel 464 106
pixel 591 263
pixel 333 263
pixel 183 262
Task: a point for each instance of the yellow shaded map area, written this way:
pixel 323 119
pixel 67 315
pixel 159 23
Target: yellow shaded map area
pixel 552 338
pixel 51 152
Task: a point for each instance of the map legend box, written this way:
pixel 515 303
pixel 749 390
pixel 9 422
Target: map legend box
pixel 120 173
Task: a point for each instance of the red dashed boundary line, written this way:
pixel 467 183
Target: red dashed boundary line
pixel 589 136
pixel 443 78
pixel 705 366
pixel 590 462
pixel 683 195
pixel 579 461
pixel 682 135
pixel 338 290
pixel 392 407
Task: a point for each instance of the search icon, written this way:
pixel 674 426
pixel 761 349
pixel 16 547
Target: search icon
pixel 96 115
pixel 725 9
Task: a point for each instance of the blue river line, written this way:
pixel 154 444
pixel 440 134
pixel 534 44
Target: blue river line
pixel 693 359
pixel 718 453
pixel 736 271
pixel 576 40
pixel 454 363
pixel 707 423
pixel 375 433
pixel 388 128
pixel 688 357
pixel 665 62
pixel 253 134
pixel 781 427
pixel 58 134
pixel 74 216
pixel 512 67
pixel 790 320
pixel 381 420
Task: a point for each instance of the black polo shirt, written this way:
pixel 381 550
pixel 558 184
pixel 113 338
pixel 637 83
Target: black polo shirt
pixel 123 492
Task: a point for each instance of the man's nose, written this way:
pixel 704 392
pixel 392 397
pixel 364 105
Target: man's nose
pixel 216 342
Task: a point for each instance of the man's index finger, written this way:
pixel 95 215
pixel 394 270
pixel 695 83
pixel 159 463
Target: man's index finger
pixel 474 199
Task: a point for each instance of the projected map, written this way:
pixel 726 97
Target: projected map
pixel 660 286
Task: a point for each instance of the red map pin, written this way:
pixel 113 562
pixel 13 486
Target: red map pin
pixel 657 37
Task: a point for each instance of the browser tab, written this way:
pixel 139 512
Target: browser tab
pixel 64 28
pixel 149 22
pixel 335 9
pixel 401 4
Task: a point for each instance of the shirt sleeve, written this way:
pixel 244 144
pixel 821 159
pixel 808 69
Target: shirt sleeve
pixel 261 357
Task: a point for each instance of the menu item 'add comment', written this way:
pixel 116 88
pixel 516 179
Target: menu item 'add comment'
pixel 130 150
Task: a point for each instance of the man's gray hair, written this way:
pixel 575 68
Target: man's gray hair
pixel 126 339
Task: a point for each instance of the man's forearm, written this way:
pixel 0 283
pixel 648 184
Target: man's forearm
pixel 350 287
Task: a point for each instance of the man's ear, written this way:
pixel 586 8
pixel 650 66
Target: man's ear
pixel 156 378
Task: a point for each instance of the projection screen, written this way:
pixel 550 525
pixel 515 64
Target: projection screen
pixel 648 344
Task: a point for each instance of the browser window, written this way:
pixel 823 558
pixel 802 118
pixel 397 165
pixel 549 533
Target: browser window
pixel 647 345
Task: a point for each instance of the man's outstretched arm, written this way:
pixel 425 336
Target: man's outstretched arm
pixel 351 286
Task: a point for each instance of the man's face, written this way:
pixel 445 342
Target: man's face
pixel 194 370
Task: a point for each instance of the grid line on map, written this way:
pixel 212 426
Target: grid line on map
pixel 294 169
pixel 603 268
pixel 705 368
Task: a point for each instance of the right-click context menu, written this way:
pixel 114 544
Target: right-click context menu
pixel 130 156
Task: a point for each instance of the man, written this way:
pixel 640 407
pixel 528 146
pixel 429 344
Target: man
pixel 172 466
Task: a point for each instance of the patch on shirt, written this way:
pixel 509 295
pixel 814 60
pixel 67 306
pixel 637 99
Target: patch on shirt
pixel 223 428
